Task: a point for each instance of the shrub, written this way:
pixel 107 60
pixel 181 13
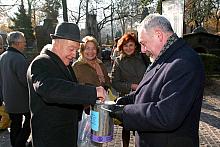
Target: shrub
pixel 211 63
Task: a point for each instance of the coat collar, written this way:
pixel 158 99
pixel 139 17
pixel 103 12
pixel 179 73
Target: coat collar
pixel 67 70
pixel 15 50
pixel 163 58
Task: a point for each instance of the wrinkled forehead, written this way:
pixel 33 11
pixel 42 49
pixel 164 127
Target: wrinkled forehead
pixel 71 43
pixel 141 32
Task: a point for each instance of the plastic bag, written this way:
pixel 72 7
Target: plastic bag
pixel 84 131
pixel 4 120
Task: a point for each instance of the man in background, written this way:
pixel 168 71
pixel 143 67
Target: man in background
pixel 13 69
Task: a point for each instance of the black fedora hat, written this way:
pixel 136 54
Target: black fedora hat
pixel 66 30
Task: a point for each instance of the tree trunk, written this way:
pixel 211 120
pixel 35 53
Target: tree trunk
pixel 217 24
pixel 29 9
pixel 112 29
pixel 65 15
pixel 144 13
pixel 91 25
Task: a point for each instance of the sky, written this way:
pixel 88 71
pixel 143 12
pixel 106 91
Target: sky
pixel 71 4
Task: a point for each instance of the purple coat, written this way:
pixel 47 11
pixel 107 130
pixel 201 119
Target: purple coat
pixel 167 102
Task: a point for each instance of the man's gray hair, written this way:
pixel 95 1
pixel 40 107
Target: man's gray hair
pixel 156 20
pixel 14 37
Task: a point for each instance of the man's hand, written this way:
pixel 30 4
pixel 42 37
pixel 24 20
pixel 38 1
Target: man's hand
pixel 101 93
pixel 121 101
pixel 134 86
pixel 116 112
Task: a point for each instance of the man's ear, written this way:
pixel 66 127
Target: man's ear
pixel 159 34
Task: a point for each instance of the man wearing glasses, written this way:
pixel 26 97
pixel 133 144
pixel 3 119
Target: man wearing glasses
pixel 13 68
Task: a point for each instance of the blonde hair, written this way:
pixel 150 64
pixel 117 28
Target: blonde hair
pixel 88 39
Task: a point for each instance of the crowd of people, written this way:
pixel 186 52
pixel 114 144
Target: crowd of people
pixel 158 77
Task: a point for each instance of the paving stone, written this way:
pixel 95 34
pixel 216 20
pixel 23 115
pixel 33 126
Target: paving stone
pixel 209 130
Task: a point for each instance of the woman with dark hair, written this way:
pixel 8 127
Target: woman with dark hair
pixel 127 71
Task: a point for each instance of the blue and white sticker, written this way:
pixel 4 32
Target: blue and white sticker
pixel 95 120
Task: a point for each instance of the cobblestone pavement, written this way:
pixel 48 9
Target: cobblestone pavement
pixel 209 130
pixel 209 127
pixel 210 122
pixel 4 139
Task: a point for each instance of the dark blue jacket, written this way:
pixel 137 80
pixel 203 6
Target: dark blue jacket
pixel 13 69
pixel 167 102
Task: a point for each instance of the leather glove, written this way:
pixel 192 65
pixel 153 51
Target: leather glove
pixel 116 112
pixel 122 101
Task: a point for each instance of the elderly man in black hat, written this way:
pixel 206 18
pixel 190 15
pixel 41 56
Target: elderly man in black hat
pixel 56 99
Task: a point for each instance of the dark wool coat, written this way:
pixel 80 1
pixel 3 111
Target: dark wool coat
pixel 56 101
pixel 167 102
pixel 127 70
pixel 13 69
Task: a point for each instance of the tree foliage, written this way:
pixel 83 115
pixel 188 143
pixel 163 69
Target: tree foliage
pixel 121 15
pixel 146 2
pixel 159 6
pixel 200 12
pixel 124 14
pixel 51 8
pixel 22 22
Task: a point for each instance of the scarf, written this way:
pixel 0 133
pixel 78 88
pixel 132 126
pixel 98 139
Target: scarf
pixel 170 41
pixel 95 64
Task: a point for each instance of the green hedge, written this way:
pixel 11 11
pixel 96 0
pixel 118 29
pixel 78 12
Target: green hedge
pixel 211 63
pixel 215 52
pixel 31 54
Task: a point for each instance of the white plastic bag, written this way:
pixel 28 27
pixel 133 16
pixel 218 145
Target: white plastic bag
pixel 84 131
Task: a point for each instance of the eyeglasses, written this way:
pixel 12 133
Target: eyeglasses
pixel 21 42
pixel 90 48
